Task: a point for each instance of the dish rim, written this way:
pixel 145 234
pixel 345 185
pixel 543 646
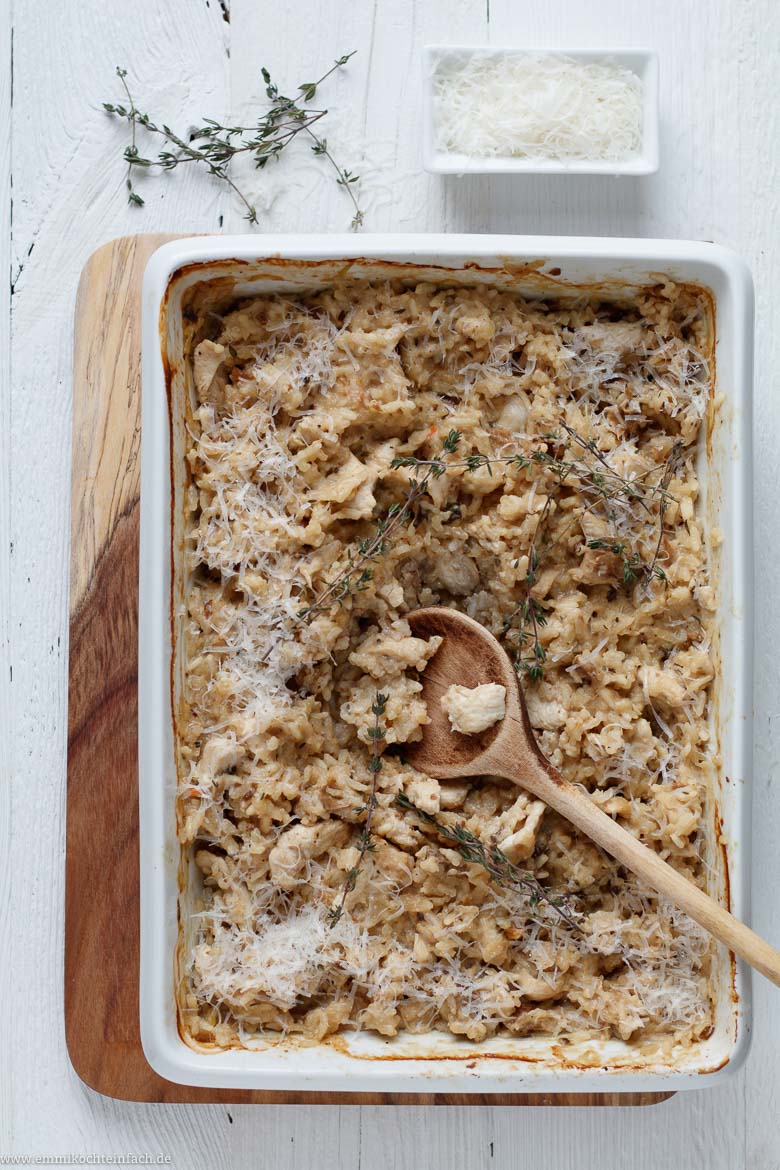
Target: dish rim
pixel 642 61
pixel 164 1049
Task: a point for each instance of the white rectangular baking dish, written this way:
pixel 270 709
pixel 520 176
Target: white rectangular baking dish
pixel 538 265
pixel 643 62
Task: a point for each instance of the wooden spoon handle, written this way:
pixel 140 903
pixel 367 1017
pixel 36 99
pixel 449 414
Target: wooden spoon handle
pixel 575 805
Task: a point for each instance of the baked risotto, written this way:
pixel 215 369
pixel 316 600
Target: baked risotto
pixel 361 451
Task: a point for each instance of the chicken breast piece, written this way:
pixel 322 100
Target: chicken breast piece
pixel 474 709
pixel 297 845
pixel 207 361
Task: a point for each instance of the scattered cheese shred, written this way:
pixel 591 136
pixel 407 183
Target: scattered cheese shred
pixel 537 105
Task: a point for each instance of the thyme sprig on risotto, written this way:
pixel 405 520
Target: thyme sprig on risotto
pixel 524 623
pixel 471 462
pixel 633 565
pixel 603 480
pixel 492 859
pixel 672 463
pixel 528 618
pixel 357 574
pixel 365 841
pixel 214 146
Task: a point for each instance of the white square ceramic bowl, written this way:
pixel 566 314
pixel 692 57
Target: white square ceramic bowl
pixel 643 62
pixel 437 1062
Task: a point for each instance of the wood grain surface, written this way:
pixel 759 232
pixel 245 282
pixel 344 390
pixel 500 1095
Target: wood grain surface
pixel 101 877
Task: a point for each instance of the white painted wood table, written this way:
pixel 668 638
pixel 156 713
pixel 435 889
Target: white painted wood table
pixel 718 181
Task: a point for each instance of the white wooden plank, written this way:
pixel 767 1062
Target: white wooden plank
pixel 745 128
pixel 68 200
pixel 6 653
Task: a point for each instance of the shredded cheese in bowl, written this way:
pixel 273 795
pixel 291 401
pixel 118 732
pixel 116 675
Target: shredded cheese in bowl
pixel 540 106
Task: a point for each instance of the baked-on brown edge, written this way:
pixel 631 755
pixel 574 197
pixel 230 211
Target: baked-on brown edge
pixel 101 870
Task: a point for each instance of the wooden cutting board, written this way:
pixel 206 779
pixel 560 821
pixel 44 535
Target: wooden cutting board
pixel 101 904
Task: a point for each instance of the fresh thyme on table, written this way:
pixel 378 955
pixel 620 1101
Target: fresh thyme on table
pixel 215 146
pixel 503 871
pixel 365 842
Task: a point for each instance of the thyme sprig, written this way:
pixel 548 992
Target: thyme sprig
pixel 357 574
pixel 492 859
pixel 601 482
pixel 471 462
pixel 528 617
pixel 214 145
pixel 524 623
pixel 606 486
pixel 633 565
pixel 365 841
pixel 670 470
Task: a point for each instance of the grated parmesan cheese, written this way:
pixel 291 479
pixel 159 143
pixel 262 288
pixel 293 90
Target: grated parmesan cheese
pixel 537 105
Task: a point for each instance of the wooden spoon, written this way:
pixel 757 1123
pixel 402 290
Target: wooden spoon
pixel 469 656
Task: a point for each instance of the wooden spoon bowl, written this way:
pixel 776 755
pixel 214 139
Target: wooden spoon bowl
pixel 471 659
pixel 469 656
